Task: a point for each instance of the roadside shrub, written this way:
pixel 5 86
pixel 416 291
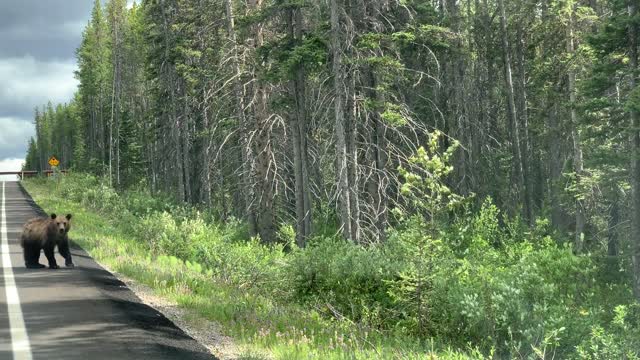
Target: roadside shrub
pixel 603 344
pixel 247 264
pixel 141 203
pixel 162 233
pixel 478 284
pixel 244 264
pixel 418 288
pixel 74 187
pixel 351 279
pixel 512 297
pixel 621 340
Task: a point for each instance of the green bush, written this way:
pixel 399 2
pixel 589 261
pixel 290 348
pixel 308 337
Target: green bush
pixel 491 287
pixel 620 341
pixel 350 279
pixel 244 264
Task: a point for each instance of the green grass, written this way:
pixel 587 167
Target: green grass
pixel 260 324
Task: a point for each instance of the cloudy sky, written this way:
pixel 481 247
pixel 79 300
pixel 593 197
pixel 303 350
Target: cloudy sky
pixel 38 39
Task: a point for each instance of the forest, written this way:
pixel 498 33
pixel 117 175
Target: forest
pixel 459 171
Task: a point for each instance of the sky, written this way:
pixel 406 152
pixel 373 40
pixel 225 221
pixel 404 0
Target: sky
pixel 38 39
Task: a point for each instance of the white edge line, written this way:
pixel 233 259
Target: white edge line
pixel 19 338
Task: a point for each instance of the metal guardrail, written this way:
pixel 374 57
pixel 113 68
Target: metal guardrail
pixel 30 173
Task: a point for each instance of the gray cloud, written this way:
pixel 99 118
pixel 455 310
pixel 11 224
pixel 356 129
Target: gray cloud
pixel 41 12
pixel 27 83
pixel 43 29
pixel 14 136
pixel 38 39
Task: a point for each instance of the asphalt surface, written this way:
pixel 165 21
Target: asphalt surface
pixel 80 313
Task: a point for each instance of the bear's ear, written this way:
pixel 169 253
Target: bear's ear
pixel 53 216
pixel 68 216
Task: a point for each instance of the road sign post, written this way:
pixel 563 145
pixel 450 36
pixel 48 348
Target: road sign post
pixel 54 162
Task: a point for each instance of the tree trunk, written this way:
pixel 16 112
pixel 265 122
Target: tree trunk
pixel 246 156
pixel 377 182
pixel 186 154
pixel 526 144
pixel 262 145
pixel 635 147
pixel 578 164
pixel 555 166
pixel 511 103
pixel 206 159
pixel 351 137
pixel 340 104
pixel 614 222
pixel 115 49
pixel 299 137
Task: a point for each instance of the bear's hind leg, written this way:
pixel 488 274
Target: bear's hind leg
pixel 32 256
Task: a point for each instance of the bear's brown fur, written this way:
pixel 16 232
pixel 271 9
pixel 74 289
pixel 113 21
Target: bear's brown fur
pixel 46 233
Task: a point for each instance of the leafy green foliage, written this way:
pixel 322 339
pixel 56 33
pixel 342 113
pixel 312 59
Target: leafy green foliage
pixel 620 341
pixel 351 279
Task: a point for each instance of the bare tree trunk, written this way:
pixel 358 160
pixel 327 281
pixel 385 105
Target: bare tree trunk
pixel 578 164
pixel 206 158
pixel 511 103
pixel 246 157
pixel 555 166
pixel 113 98
pixel 174 122
pixel 340 103
pixel 100 126
pixel 356 14
pixel 223 198
pixel 483 77
pixel 635 146
pixel 299 137
pixel 186 155
pixel 378 158
pixel 262 145
pixel 111 130
pixel 346 129
pixel 477 119
pixel 614 222
pixel 352 159
pixel 526 144
pixel 178 159
pixel 264 168
pixel 457 102
pixel 117 99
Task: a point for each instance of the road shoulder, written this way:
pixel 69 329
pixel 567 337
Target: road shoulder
pixel 207 333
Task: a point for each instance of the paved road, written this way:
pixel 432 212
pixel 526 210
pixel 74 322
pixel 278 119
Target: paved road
pixel 82 313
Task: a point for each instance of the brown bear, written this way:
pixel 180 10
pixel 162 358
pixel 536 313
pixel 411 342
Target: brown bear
pixel 46 233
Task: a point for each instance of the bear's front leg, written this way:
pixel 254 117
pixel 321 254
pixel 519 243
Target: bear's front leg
pixel 63 248
pixel 48 252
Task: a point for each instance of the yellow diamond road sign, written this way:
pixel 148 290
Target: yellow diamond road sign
pixel 53 161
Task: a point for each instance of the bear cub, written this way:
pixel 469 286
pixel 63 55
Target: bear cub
pixel 46 233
